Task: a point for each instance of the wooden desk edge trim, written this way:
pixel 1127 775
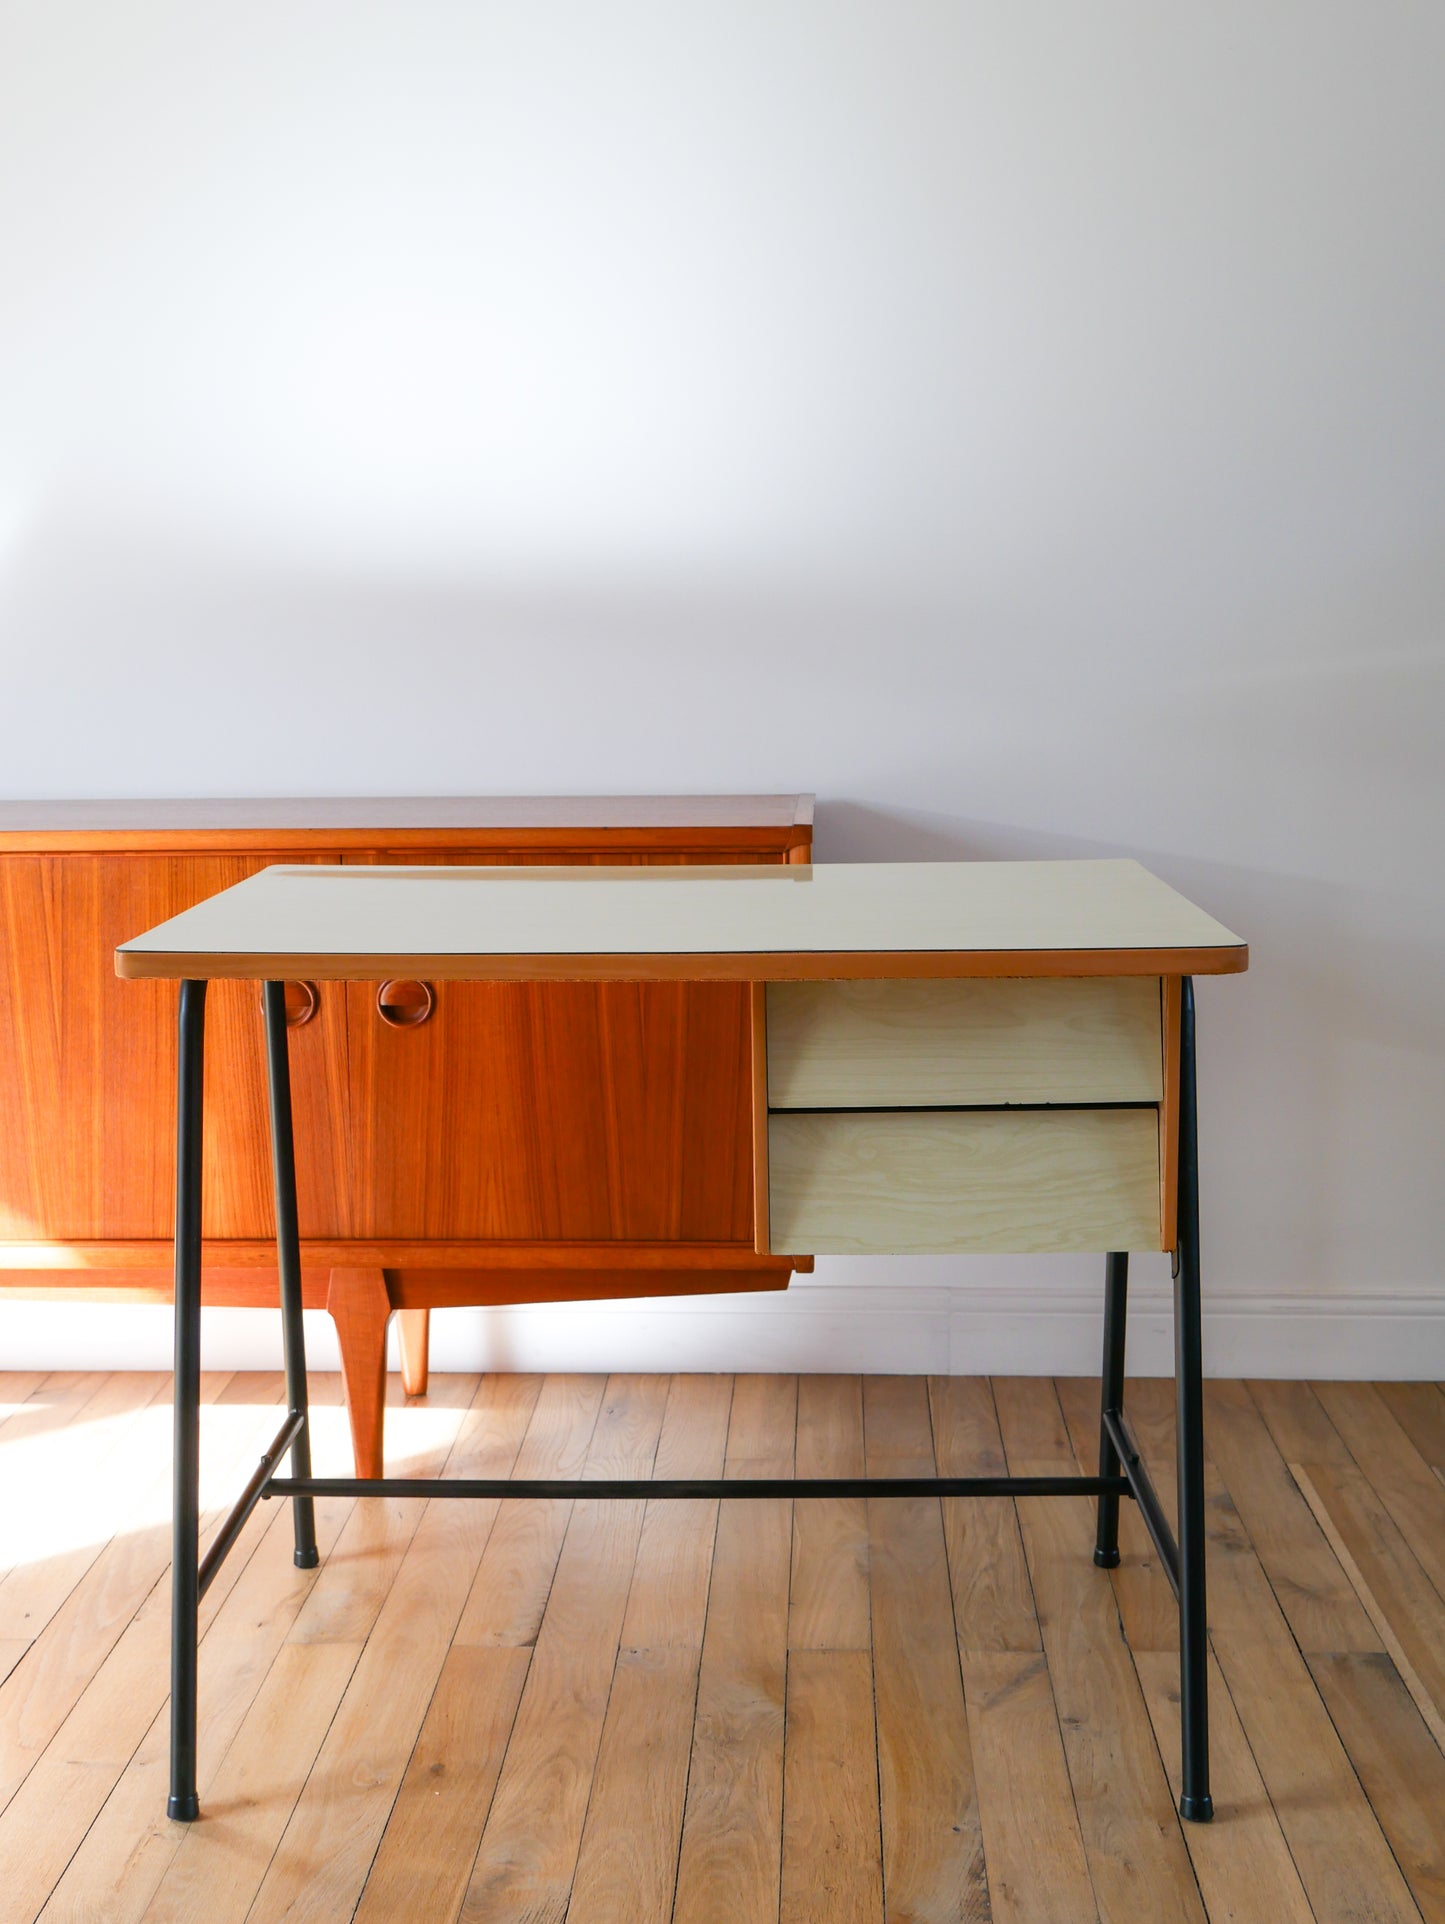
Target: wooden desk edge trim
pixel 173 965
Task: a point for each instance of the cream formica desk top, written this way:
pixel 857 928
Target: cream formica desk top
pixel 753 924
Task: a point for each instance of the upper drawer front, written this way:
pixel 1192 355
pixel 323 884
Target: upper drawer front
pixel 916 1182
pixel 870 1045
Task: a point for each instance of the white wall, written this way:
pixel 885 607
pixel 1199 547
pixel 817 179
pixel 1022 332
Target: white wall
pixel 1023 425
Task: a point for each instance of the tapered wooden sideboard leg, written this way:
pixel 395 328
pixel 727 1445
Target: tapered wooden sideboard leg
pixel 413 1328
pixel 360 1309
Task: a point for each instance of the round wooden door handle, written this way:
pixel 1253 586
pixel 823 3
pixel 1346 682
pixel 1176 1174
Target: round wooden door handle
pixel 302 1002
pixel 405 1005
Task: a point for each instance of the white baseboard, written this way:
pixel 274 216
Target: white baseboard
pixel 1008 1330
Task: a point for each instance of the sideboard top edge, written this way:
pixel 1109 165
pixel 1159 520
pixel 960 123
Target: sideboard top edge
pixel 435 821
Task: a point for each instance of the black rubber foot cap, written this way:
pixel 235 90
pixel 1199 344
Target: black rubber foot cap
pixel 185 1810
pixel 306 1559
pixel 1197 1810
pixel 1107 1559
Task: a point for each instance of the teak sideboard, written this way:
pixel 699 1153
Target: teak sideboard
pixel 456 1142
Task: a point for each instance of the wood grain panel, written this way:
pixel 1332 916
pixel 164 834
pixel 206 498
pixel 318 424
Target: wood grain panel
pixel 896 1045
pixel 564 1112
pixel 909 1182
pixel 88 1063
pixel 554 1112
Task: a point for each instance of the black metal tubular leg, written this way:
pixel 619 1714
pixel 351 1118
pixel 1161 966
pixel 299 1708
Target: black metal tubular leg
pixel 288 1258
pixel 1116 1304
pixel 185 1594
pixel 1195 1802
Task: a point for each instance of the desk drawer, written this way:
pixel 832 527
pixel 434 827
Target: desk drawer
pixel 914 1182
pixel 896 1045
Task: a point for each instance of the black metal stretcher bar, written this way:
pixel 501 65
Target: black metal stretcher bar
pixel 1121 1468
pixel 259 1484
pixel 1141 1488
pixel 706 1486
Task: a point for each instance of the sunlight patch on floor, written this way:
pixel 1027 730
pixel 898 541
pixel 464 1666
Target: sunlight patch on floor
pixel 69 1490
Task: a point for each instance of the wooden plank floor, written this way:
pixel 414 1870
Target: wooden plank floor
pixel 624 1713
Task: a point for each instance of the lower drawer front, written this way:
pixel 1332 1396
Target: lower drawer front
pixel 903 1182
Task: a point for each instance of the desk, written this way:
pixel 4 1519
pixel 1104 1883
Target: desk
pixel 945 1056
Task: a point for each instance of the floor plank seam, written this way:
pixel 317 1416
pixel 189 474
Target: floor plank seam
pixel 783 1788
pixel 697 1670
pixel 1301 1653
pixel 571 1512
pixel 217 1515
pixel 1284 1834
pixel 255 1536
pixel 873 1679
pixel 1048 1669
pixel 1381 1496
pixel 617 1653
pixel 342 1694
pixel 240 1725
pixel 1299 1868
pixel 465 1883
pixel 300 1790
pixel 1429 1710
